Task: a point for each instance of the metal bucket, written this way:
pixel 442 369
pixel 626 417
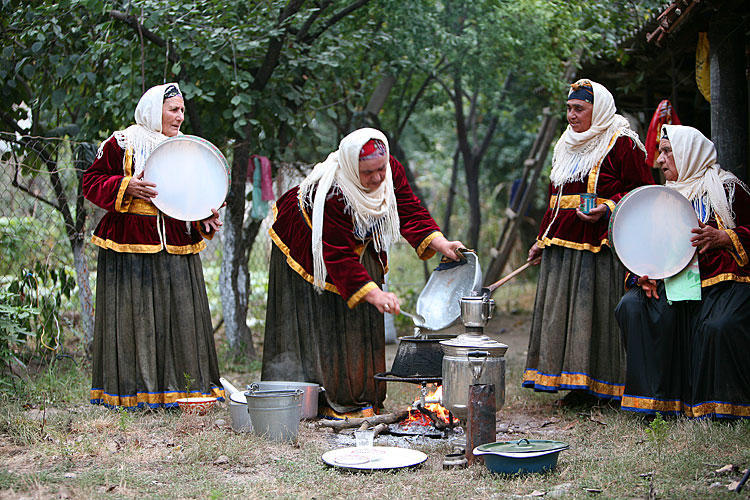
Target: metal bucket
pixel 275 414
pixel 239 414
pixel 309 390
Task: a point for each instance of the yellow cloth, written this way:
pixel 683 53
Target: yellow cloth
pixel 703 66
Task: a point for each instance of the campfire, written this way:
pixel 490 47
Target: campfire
pixel 426 414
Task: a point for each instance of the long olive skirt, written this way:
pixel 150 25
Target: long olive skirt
pixel 315 337
pixel 691 357
pixel 575 341
pixel 153 339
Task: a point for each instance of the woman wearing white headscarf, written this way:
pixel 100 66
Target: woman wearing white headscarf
pixel 575 342
pixel 690 357
pixel 324 321
pixel 153 338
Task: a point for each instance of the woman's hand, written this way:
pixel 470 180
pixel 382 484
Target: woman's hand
pixel 384 301
pixel 594 214
pixel 212 223
pixel 708 238
pixel 447 248
pixel 535 252
pixel 138 188
pixel 648 286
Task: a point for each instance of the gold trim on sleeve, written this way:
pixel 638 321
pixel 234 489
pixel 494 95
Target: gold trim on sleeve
pixel 357 297
pixel 739 251
pixel 423 250
pixel 122 200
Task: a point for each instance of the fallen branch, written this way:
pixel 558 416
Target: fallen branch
pixel 350 423
pixel 436 421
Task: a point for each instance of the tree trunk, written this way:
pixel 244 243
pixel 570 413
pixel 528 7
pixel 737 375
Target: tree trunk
pixel 451 195
pixel 84 289
pixel 471 168
pixel 233 278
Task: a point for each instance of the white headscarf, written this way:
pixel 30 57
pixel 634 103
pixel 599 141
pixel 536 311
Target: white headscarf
pixel 576 153
pixel 145 135
pixel 373 211
pixel 699 178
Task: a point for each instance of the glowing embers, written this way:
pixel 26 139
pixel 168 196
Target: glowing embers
pixel 427 417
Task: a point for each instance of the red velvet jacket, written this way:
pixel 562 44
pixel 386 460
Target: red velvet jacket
pixel 724 264
pixel 292 233
pixel 623 169
pixel 130 223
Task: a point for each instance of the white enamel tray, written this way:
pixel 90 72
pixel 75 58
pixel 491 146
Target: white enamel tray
pixel 379 458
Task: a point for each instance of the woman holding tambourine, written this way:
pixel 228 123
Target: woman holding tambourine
pixel 153 338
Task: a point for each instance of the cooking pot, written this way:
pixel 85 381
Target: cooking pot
pixel 521 457
pixel 419 356
pixel 309 390
pixel 471 359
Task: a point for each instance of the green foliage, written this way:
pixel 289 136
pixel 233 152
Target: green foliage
pixel 657 433
pixel 14 331
pixel 34 302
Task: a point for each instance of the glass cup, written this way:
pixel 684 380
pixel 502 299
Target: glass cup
pixel 588 202
pixel 364 441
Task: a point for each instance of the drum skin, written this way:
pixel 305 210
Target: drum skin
pixel 650 231
pixel 191 177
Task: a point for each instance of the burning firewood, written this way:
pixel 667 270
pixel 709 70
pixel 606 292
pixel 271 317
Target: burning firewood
pixel 350 423
pixel 436 421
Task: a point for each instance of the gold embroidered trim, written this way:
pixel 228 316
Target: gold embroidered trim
pixel 142 398
pixel 146 248
pixel 356 298
pixel 293 263
pixel 574 201
pixel 594 174
pixel 724 277
pixel 701 410
pixel 141 207
pixel 301 205
pixel 574 379
pixel 423 250
pixel 739 256
pixel 572 244
pixel 122 200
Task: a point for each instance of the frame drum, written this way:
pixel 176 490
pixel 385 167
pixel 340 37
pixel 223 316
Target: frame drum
pixel 191 176
pixel 650 231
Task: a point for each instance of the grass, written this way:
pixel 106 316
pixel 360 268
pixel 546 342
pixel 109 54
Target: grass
pixel 53 443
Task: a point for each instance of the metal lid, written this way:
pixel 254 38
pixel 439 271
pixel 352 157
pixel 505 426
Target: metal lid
pixel 476 342
pixel 523 447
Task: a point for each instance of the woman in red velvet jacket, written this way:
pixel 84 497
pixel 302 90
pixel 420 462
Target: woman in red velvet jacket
pixel 691 357
pixel 575 343
pixel 152 334
pixel 324 321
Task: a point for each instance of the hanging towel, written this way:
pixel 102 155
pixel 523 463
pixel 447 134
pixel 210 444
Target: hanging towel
pixel 266 181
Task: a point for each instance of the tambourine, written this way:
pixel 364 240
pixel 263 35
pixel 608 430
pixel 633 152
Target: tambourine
pixel 191 177
pixel 650 231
